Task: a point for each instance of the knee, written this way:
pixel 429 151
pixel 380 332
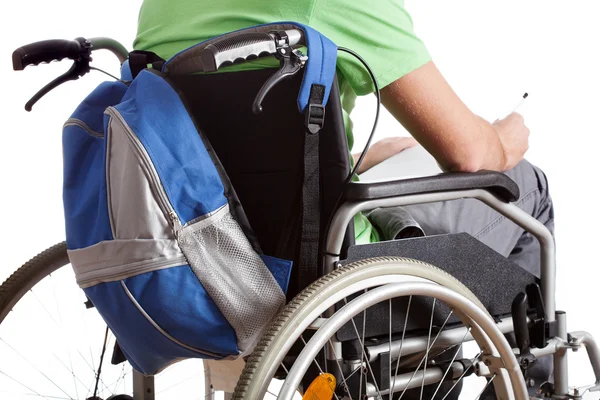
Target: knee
pixel 532 180
pixel 529 178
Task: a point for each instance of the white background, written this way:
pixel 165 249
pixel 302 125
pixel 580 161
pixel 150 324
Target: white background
pixel 490 52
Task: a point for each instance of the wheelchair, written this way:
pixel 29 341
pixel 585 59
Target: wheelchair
pixel 388 320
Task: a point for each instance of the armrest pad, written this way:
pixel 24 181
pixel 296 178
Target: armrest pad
pixel 495 182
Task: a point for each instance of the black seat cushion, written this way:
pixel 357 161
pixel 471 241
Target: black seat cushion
pixel 493 279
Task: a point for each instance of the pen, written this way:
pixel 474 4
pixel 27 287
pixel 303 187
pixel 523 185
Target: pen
pixel 520 103
pixel 516 107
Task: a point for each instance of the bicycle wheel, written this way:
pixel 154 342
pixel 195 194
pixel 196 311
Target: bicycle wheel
pixel 53 346
pixel 423 363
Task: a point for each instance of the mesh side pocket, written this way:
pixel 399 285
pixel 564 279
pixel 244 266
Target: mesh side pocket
pixel 233 274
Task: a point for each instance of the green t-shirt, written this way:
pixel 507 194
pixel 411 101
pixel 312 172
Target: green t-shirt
pixel 381 31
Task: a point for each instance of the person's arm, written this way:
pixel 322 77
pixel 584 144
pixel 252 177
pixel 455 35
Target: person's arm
pixel 425 104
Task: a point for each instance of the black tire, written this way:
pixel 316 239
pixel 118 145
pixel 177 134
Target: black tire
pixel 30 273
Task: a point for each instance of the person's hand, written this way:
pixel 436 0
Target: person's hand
pixel 514 136
pixel 382 150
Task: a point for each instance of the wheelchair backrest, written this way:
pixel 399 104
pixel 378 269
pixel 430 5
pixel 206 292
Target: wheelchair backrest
pixel 263 154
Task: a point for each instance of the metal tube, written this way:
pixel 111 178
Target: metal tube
pixel 209 393
pixel 406 381
pixel 552 347
pixel 586 340
pixel 103 43
pixel 448 338
pixel 143 386
pixel 334 350
pixel 347 211
pixel 561 370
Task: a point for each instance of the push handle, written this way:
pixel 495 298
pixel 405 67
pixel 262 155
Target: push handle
pixel 78 50
pixel 242 47
pixel 45 52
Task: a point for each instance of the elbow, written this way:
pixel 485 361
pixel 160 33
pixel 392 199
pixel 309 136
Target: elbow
pixel 466 166
pixel 468 161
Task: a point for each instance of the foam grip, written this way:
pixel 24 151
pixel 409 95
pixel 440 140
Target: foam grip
pixel 235 49
pixel 44 52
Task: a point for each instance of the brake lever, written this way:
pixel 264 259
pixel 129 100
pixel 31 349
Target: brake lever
pixel 79 68
pixel 290 60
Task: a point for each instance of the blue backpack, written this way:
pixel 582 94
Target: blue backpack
pixel 156 235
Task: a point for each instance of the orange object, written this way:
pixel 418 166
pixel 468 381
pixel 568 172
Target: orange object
pixel 321 388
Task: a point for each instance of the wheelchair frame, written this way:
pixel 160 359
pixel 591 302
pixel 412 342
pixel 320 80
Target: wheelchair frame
pixel 557 346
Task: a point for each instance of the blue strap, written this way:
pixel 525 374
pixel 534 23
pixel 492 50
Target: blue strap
pixel 126 74
pixel 319 69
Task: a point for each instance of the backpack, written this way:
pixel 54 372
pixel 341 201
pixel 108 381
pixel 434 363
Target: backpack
pixel 157 237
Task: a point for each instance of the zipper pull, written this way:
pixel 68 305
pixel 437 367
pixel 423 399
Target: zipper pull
pixel 176 222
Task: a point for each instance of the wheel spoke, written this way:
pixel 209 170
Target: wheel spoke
pixel 362 346
pixel 460 377
pixel 451 362
pixel 74 376
pixel 62 327
pixel 363 354
pixel 341 370
pixel 24 385
pixel 390 344
pixel 401 342
pixel 314 359
pixel 34 367
pixel 122 376
pixel 428 348
pixel 93 370
pixel 426 352
pixel 44 307
pixel 485 387
pixel 59 325
pixel 176 384
pixel 317 364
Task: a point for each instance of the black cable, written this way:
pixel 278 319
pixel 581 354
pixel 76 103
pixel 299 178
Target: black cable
pixel 367 145
pixel 378 96
pixel 104 72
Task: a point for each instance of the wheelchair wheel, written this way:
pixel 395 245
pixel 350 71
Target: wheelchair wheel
pixel 53 346
pixel 428 361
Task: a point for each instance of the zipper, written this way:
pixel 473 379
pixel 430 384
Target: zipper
pixel 95 277
pixel 155 182
pixel 79 123
pixel 206 216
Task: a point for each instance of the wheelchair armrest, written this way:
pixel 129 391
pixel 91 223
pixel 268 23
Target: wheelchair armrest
pixel 496 183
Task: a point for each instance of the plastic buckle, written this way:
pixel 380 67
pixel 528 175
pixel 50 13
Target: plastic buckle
pixel 315 118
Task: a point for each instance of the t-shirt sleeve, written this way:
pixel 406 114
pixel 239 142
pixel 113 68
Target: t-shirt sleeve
pixel 380 31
